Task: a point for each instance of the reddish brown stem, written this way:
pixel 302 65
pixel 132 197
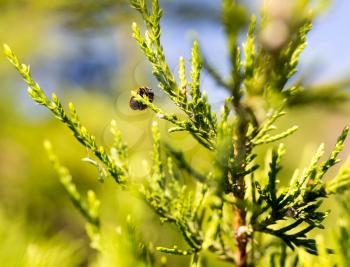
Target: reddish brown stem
pixel 239 226
pixel 240 236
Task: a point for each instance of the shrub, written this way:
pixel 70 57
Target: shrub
pixel 237 211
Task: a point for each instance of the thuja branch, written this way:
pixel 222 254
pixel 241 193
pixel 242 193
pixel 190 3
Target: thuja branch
pixel 201 121
pixel 171 200
pixel 71 120
pixel 89 207
pixel 202 212
pixel 241 142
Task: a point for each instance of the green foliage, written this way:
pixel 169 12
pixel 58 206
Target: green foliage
pixel 201 121
pixel 72 121
pixel 341 181
pixel 88 207
pixel 235 198
pixel 263 137
pixel 300 201
pixel 23 245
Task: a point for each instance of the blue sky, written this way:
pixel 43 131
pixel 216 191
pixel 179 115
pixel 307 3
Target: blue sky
pixel 329 42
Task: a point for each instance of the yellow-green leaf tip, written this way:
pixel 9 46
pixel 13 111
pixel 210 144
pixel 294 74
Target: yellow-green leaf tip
pixel 7 49
pixel 47 145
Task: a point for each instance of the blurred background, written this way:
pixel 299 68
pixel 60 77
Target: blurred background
pixel 83 51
